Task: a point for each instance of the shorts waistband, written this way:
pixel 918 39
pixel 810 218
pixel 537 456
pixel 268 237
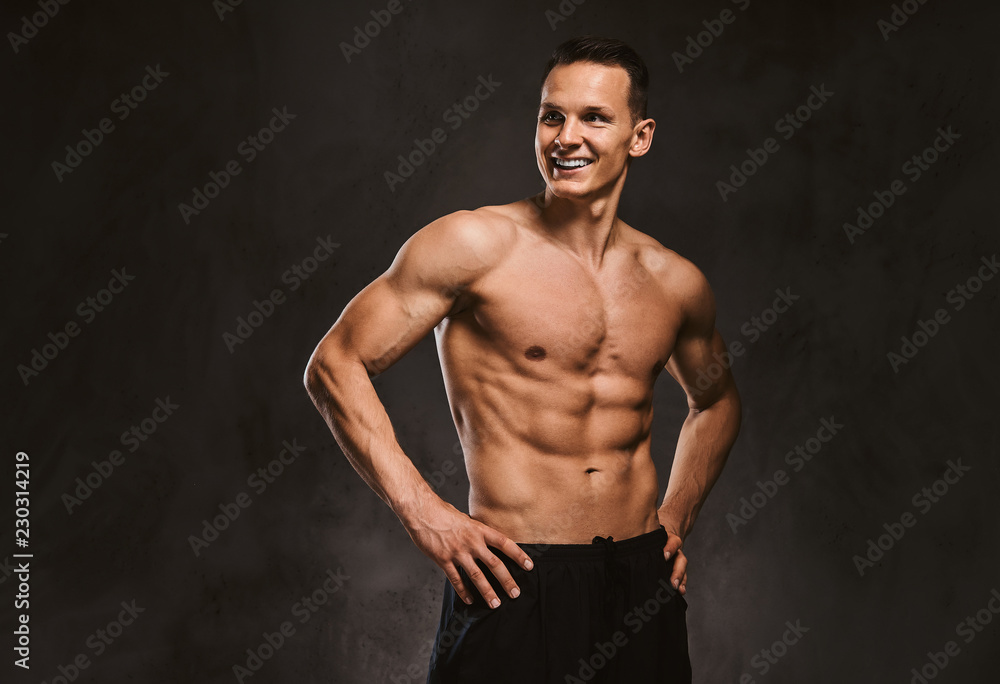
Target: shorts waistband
pixel 599 548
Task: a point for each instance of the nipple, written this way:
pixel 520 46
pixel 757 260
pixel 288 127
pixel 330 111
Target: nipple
pixel 535 353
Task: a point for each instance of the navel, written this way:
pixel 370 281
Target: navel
pixel 535 353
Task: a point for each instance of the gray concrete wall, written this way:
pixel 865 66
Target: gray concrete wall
pixel 202 80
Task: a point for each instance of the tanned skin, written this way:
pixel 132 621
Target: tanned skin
pixel 553 318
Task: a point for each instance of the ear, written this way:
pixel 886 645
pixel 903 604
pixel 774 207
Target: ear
pixel 642 138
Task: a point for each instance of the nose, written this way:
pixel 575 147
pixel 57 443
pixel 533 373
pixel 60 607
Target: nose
pixel 569 134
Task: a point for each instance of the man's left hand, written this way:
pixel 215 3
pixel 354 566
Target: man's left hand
pixel 678 578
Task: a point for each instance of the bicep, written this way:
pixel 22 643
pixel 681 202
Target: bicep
pixel 385 320
pixel 700 364
pixel 396 310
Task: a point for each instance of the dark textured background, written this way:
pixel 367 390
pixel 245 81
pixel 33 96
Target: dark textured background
pixel 323 176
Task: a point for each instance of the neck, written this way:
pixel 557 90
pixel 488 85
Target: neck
pixel 587 227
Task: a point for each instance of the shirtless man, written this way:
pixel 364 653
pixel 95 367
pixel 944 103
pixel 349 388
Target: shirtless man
pixel 553 319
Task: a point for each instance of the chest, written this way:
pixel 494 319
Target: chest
pixel 544 309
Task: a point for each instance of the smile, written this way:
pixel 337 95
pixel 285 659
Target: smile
pixel 571 163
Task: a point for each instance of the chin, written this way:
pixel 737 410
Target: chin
pixel 568 191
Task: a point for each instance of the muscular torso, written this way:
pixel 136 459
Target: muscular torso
pixel 549 365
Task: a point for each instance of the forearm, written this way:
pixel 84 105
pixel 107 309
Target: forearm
pixel 344 395
pixel 703 446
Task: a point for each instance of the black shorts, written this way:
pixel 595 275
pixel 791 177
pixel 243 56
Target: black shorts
pixel 601 613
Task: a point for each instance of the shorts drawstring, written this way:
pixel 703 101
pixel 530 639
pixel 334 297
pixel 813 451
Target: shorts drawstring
pixel 613 575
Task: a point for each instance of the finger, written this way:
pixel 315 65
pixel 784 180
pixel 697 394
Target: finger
pixel 478 578
pixel 499 541
pixel 456 581
pixel 510 549
pixel 679 572
pixel 501 572
pixel 673 545
pixel 684 581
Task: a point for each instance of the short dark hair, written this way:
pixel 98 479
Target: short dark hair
pixel 609 52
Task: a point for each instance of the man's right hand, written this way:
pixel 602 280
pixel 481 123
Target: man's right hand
pixel 453 540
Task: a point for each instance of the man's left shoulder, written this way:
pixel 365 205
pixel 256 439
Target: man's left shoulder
pixel 671 270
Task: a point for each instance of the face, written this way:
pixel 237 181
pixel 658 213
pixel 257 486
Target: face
pixel 585 133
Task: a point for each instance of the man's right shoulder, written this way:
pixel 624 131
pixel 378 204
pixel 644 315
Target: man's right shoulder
pixel 483 235
pixel 455 250
pixel 484 227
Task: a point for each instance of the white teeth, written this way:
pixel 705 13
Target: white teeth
pixel 571 163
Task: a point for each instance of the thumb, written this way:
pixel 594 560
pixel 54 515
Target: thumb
pixel 674 544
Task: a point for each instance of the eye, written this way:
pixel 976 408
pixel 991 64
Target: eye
pixel 593 116
pixel 549 117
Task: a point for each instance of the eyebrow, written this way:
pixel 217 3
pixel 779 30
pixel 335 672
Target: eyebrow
pixel 600 109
